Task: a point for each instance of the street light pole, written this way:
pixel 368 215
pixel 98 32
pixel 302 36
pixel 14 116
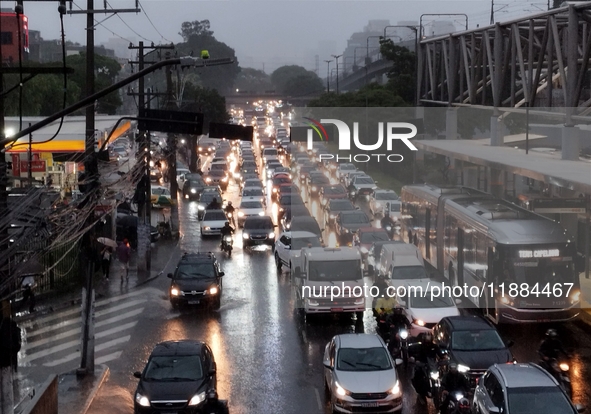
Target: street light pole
pixel 328 75
pixel 440 14
pixel 337 61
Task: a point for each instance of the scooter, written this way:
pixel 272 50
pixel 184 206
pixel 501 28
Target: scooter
pixel 458 404
pixel 560 370
pixel 227 243
pixel 426 381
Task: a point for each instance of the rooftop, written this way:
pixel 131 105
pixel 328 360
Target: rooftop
pixel 359 340
pixel 186 347
pixel 524 375
pixel 468 323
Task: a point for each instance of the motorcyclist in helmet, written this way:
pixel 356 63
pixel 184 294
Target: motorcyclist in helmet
pixel 227 230
pixel 229 210
pixel 213 405
pixel 396 321
pixel 382 286
pixel 424 353
pixel 382 311
pixel 452 383
pixel 214 205
pixel 551 347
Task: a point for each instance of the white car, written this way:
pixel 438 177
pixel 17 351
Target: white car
pixel 288 247
pixel 253 193
pixel 344 169
pixel 379 198
pixel 425 304
pixel 359 374
pixel 249 208
pixel 212 223
pixel 253 182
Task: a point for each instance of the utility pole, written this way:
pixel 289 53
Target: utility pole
pixel 144 259
pixel 337 62
pixel 328 75
pixel 171 138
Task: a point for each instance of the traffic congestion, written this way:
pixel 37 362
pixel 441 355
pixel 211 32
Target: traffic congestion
pixel 378 345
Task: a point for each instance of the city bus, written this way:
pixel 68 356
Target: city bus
pixel 521 265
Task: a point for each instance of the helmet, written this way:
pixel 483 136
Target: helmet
pixel 453 367
pixel 464 405
pixel 397 310
pixel 229 203
pixel 551 333
pixel 428 337
pixel 215 200
pixel 212 394
pixel 227 223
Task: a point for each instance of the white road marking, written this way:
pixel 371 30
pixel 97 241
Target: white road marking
pixel 97 348
pixel 107 358
pixel 318 401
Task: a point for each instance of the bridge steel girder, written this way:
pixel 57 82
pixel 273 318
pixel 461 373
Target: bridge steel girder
pixel 511 64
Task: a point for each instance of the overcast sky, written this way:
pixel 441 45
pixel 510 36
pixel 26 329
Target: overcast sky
pixel 264 34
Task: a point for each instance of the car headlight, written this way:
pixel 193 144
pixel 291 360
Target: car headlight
pixel 207 228
pixel 340 390
pixel 281 209
pixel 245 236
pixel 434 375
pixel 200 149
pixel 186 195
pixel 314 188
pixel 564 367
pixel 261 213
pixel 225 179
pixel 142 400
pixel 213 290
pixel 194 191
pixel 174 291
pixel 575 296
pixel 197 399
pixel 396 388
pixel 419 322
pixel 463 368
pixel 271 235
pixel 240 214
pixel 200 207
pixel 208 179
pixel 332 216
pixel 274 190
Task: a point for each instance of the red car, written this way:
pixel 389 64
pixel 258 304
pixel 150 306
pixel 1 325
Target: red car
pixel 332 192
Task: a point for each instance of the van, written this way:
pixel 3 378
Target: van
pixel 402 264
pixel 329 280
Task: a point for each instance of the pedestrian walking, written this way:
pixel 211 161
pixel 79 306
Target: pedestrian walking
pixel 106 260
pixel 123 255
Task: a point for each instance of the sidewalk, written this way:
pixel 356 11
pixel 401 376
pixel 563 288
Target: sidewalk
pixel 75 394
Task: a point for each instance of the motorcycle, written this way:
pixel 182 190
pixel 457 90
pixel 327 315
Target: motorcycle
pixel 399 337
pixel 426 382
pixel 227 244
pixel 560 370
pixel 231 219
pixel 458 404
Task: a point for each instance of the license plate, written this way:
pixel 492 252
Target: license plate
pixel 375 404
pixel 194 302
pixel 336 309
pixel 258 241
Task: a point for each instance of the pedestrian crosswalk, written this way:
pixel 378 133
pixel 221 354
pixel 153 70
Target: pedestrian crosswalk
pixel 54 340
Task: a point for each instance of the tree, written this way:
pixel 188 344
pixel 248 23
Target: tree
pixel 208 102
pixel 402 75
pixel 372 95
pixel 296 81
pixel 195 28
pixel 253 80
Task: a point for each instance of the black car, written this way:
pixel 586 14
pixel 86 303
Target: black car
pixel 257 231
pixel 348 222
pixel 315 184
pixel 334 207
pixel 193 187
pixel 473 343
pixel 196 280
pixel 291 212
pixel 176 378
pixel 288 201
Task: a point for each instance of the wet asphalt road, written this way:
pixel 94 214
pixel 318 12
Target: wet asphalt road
pixel 268 359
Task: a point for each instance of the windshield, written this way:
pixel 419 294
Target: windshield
pixel 208 197
pixel 363 359
pixel 174 368
pixel 253 183
pixel 218 167
pixel 534 400
pixel 300 242
pixel 320 180
pixel 328 270
pixel 424 300
pixel 354 218
pixel 347 167
pixel 374 236
pixel 215 215
pixel 409 273
pixel 160 191
pixel 270 151
pixel 251 204
pixel 281 180
pixel 364 180
pixel 341 205
pixel 196 183
pixel 195 271
pixel 387 196
pixel 259 224
pixel 217 173
pixel 486 340
pixel 395 207
pixel 334 190
pixel 295 200
pixel 252 192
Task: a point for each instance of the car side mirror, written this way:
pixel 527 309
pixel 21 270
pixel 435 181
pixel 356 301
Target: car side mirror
pixel 137 374
pixel 494 409
pixel 327 364
pixel 398 362
pixel 580 408
pixel 510 343
pixel 222 273
pixel 169 275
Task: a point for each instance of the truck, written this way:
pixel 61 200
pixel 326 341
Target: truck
pixel 329 280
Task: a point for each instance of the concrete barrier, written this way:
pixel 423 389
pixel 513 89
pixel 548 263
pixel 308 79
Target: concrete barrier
pixel 45 399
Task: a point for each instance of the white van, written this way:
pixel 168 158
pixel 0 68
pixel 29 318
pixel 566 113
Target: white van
pixel 402 264
pixel 329 280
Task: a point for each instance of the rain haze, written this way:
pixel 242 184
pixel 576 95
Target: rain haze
pixel 266 35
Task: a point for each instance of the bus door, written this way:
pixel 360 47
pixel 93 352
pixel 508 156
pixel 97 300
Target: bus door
pixel 428 234
pixel 460 272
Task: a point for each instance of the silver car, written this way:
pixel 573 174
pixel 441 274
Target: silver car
pixel 360 375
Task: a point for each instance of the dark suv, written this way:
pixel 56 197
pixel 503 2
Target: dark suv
pixel 176 378
pixel 196 280
pixel 473 343
pixel 258 230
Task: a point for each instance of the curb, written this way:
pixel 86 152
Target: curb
pixel 96 388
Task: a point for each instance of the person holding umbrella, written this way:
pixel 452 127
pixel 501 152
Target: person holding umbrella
pixel 106 260
pixel 124 254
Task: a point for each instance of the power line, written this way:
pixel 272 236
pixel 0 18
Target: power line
pixel 150 20
pixel 128 26
pixel 105 27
